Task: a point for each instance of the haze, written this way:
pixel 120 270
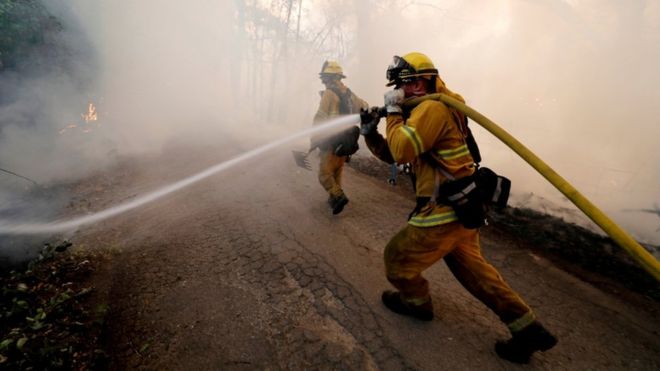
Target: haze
pixel 576 81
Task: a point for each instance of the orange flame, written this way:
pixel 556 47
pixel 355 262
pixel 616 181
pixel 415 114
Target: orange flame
pixel 88 117
pixel 91 114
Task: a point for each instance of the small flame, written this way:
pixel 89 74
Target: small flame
pixel 91 114
pixel 87 118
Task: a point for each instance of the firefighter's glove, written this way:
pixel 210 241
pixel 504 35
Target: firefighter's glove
pixel 393 100
pixel 369 119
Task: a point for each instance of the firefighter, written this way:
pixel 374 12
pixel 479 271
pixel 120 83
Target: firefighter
pixel 430 136
pixel 335 150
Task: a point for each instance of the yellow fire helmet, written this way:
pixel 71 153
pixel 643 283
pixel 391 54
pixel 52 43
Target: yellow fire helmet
pixel 331 68
pixel 409 67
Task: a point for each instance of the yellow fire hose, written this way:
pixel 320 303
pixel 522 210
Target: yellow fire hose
pixel 639 253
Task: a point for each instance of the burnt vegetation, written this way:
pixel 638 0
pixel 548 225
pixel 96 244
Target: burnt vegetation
pixel 578 250
pixel 48 319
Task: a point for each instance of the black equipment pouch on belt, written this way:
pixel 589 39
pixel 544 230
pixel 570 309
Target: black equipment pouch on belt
pixel 494 188
pixel 472 196
pixel 346 142
pixel 464 196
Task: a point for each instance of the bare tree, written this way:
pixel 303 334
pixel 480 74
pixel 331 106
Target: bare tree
pixel 266 60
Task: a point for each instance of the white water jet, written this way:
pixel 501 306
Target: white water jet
pixel 32 228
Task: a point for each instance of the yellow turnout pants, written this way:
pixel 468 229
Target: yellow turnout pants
pixel 330 172
pixel 414 249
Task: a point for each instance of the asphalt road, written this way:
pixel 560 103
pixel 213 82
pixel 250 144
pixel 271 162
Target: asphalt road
pixel 250 270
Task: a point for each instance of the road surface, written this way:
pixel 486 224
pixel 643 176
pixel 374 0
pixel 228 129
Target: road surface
pixel 250 270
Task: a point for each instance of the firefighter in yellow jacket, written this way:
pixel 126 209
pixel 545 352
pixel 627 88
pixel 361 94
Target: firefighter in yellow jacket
pixel 336 100
pixel 432 136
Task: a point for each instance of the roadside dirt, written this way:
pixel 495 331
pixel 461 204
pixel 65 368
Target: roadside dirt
pixel 249 270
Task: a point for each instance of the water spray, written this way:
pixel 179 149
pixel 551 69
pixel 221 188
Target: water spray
pixel 35 228
pixel 620 236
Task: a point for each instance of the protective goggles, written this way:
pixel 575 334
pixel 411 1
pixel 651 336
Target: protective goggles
pixel 399 72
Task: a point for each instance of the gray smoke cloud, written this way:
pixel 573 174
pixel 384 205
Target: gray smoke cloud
pixel 576 81
pixel 155 73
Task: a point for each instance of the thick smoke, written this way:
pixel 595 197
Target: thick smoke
pixel 155 73
pixel 576 81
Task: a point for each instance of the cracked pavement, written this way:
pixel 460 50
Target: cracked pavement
pixel 249 270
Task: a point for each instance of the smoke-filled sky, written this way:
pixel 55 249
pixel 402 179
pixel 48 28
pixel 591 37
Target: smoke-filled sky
pixel 576 81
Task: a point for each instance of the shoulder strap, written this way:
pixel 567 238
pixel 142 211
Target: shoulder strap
pixel 462 122
pixel 470 141
pixel 473 147
pixel 345 100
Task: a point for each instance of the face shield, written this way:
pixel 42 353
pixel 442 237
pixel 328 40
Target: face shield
pixel 399 72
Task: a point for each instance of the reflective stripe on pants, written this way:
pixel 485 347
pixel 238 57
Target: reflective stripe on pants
pixel 414 249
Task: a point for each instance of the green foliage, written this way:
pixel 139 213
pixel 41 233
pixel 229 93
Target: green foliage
pixel 23 27
pixel 47 320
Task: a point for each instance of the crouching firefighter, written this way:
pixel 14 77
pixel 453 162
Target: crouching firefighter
pixel 435 139
pixel 335 150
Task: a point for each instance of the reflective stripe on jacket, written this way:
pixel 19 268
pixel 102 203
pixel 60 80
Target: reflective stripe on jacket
pixel 431 128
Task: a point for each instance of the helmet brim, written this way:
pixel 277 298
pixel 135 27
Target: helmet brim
pixel 340 75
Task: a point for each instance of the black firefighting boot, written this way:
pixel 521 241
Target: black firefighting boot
pixel 337 203
pixel 525 342
pixel 394 302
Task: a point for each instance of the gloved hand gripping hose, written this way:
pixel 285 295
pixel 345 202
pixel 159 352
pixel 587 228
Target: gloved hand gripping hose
pixel 621 237
pixel 369 119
